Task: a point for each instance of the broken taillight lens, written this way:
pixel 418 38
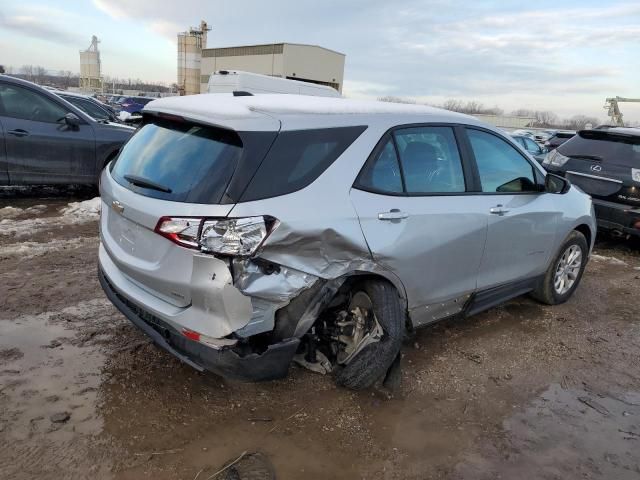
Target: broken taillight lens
pixel 225 236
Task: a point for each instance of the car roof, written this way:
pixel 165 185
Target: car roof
pixel 631 131
pixel 304 109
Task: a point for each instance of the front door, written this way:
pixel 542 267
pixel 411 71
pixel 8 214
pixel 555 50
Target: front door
pixel 419 221
pixel 522 219
pixel 40 146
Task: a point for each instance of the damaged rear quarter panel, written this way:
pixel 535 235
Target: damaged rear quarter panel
pixel 318 236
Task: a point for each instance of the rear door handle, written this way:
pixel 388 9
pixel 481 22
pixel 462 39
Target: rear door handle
pixel 18 132
pixel 393 214
pixel 498 210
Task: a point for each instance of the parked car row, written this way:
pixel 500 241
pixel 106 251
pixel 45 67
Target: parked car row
pixel 49 137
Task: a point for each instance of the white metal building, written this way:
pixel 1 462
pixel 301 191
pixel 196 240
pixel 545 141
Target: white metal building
pixel 308 63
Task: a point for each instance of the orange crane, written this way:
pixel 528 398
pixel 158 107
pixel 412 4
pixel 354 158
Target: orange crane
pixel 614 111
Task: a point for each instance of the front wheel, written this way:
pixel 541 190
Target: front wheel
pixel 565 272
pixel 371 334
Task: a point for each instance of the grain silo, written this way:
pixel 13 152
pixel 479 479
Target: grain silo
pixel 190 45
pixel 90 75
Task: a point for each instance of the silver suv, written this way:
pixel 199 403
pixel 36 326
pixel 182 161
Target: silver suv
pixel 241 232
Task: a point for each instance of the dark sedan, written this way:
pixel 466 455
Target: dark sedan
pixel 46 140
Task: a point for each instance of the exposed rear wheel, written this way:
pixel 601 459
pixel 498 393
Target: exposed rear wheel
pixel 565 272
pixel 370 334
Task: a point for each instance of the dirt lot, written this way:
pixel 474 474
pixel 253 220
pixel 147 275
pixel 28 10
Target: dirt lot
pixel 521 391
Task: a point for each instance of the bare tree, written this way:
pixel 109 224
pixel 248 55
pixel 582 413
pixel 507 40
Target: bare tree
pixel 27 71
pixel 392 99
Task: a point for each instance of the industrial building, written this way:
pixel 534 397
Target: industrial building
pixel 190 45
pixel 90 68
pixel 307 63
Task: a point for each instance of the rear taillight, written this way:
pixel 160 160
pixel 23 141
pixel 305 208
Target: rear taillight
pixel 225 236
pixel 180 230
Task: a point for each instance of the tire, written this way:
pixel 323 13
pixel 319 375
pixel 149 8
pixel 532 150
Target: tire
pixel 373 362
pixel 545 291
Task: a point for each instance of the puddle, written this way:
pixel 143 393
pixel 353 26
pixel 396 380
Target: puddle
pixel 570 432
pixel 49 379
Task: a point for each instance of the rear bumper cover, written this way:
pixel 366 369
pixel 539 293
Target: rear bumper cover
pixel 271 364
pixel 616 216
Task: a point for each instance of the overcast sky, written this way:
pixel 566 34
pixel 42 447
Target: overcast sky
pixel 547 55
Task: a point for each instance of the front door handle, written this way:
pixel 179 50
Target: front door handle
pixel 18 132
pixel 393 214
pixel 498 210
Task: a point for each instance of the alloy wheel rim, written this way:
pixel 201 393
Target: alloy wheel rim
pixel 567 269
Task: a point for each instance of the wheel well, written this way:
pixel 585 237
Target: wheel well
pixel 586 231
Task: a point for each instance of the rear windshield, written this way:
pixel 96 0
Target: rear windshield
pixel 298 158
pixel 179 162
pixel 187 162
pixel 604 146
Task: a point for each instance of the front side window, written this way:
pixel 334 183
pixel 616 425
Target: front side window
pixel 531 146
pixel 501 167
pixel 22 103
pixel 91 109
pixel 430 160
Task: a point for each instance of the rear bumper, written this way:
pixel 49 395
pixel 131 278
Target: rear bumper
pixel 271 364
pixel 615 216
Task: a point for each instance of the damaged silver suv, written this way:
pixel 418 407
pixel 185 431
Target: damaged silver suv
pixel 240 232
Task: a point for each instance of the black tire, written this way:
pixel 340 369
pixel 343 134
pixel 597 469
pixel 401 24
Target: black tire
pixel 373 362
pixel 545 291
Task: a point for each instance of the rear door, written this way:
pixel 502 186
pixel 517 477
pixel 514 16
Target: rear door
pixel 419 219
pixel 40 147
pixel 522 219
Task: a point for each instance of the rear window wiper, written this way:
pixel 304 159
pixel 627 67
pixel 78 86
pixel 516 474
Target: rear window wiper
pixel 146 183
pixel 588 157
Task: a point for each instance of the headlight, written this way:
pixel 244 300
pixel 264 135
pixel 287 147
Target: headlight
pixel 635 174
pixel 233 236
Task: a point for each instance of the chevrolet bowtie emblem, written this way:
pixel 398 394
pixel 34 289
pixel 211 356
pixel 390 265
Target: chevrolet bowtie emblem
pixel 117 206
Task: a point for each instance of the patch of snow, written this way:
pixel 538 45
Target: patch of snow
pixel 13 212
pixel 74 213
pixel 611 260
pixel 27 250
pixel 227 106
pixel 81 210
pixel 124 116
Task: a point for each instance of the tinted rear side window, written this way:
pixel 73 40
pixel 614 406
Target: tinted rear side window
pixel 608 147
pixel 297 158
pixel 193 162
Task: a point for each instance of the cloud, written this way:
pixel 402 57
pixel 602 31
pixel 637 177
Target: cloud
pixel 36 27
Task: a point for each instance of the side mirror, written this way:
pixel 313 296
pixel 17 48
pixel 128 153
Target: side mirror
pixel 556 184
pixel 72 120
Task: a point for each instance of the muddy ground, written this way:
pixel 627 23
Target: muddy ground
pixel 521 391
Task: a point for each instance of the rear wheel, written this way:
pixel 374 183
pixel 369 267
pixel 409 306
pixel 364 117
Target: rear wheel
pixel 565 272
pixel 371 332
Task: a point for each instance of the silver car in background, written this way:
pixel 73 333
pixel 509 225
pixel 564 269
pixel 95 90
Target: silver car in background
pixel 239 232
